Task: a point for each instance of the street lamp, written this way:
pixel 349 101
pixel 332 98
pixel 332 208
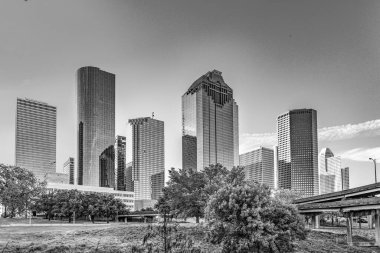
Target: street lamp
pixel 374 163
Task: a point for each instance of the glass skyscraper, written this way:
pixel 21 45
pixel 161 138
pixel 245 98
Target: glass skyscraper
pixel 330 172
pixel 210 132
pixel 96 125
pixel 148 158
pixel 298 151
pixel 120 162
pixel 36 132
pixel 68 168
pixel 259 166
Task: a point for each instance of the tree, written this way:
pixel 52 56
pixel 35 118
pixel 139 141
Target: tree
pixel 288 196
pixel 18 189
pixel 45 203
pixel 244 218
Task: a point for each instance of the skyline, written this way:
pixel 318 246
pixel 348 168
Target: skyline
pixel 273 62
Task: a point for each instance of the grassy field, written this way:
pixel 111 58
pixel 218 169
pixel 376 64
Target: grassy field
pixel 121 237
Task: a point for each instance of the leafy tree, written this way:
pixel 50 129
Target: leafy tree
pixel 287 196
pixel 18 189
pixel 45 203
pixel 244 218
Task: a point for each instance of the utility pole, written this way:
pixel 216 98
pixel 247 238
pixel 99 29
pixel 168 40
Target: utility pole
pixel 374 163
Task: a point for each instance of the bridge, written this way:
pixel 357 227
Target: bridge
pixel 358 201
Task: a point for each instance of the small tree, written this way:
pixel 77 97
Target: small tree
pixel 244 218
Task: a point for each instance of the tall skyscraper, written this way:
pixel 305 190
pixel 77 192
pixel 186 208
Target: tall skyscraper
pixel 346 178
pixel 128 177
pixel 330 174
pixel 36 131
pixel 68 168
pixel 120 163
pixel 275 153
pixel 298 151
pixel 148 157
pixel 157 183
pixel 259 165
pixel 96 123
pixel 209 124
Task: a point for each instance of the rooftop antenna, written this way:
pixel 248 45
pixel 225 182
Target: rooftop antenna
pixel 152 115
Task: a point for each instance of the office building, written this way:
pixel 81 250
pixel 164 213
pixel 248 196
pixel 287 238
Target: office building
pixel 346 178
pixel 68 168
pixel 275 154
pixel 107 168
pixel 209 124
pixel 330 174
pixel 58 178
pixel 36 133
pixel 148 157
pixel 96 124
pixel 128 177
pixel 157 183
pixel 259 165
pixel 120 153
pixel 298 151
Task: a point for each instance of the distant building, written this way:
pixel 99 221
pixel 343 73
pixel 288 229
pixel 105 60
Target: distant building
pixel 126 197
pixel 330 174
pixel 58 178
pixel 107 168
pixel 298 151
pixel 275 154
pixel 346 178
pixel 68 168
pixel 157 183
pixel 209 123
pixel 36 131
pixel 128 177
pixel 96 124
pixel 259 165
pixel 120 154
pixel 148 157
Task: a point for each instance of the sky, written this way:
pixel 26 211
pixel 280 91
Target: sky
pixel 275 55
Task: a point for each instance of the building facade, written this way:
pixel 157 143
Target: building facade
pixel 68 168
pixel 120 162
pixel 128 177
pixel 259 166
pixel 36 134
pixel 209 124
pixel 157 182
pixel 96 122
pixel 298 151
pixel 346 178
pixel 330 172
pixel 148 157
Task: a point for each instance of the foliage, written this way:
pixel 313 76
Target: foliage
pixel 288 196
pixel 18 189
pixel 244 218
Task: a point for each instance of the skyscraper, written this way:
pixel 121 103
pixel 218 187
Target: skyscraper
pixel 330 174
pixel 120 163
pixel 346 178
pixel 259 165
pixel 157 183
pixel 36 131
pixel 96 123
pixel 128 177
pixel 209 123
pixel 298 151
pixel 148 157
pixel 68 168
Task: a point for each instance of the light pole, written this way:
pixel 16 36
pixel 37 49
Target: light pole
pixel 374 163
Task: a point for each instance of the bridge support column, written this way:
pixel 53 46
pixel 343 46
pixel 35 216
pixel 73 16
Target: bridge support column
pixel 349 228
pixel 377 227
pixel 369 220
pixel 315 221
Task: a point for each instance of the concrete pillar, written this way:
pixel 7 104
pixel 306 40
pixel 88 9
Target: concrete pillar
pixel 349 228
pixel 313 221
pixel 369 220
pixel 317 217
pixel 377 227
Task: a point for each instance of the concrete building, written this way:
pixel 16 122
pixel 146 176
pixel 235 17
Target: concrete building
pixel 275 154
pixel 58 178
pixel 128 177
pixel 125 196
pixel 96 124
pixel 298 151
pixel 346 178
pixel 259 165
pixel 120 162
pixel 36 134
pixel 148 157
pixel 68 168
pixel 209 123
pixel 330 174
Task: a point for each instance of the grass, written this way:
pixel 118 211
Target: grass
pixel 121 237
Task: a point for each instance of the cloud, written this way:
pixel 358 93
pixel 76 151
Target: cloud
pixel 361 154
pixel 334 133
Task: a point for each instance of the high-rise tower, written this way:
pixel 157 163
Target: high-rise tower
pixel 36 134
pixel 148 158
pixel 96 124
pixel 330 172
pixel 209 124
pixel 298 151
pixel 120 163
